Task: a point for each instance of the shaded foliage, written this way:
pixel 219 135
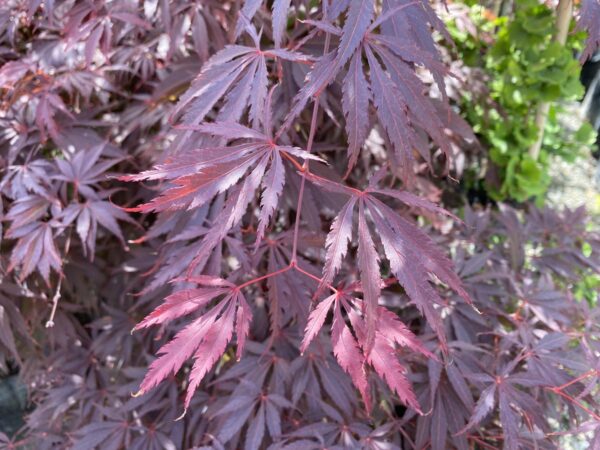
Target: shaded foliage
pixel 279 229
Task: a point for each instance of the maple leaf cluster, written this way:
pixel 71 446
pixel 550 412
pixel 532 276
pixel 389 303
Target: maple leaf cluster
pixel 259 182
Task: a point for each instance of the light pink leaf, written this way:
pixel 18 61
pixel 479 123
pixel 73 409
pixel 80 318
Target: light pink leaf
pixel 337 242
pixel 348 355
pixel 177 351
pixel 180 303
pixel 316 319
pixel 207 280
pixel 273 186
pixel 242 323
pixel 258 95
pixel 370 276
pixel 213 345
pixel 395 331
pixel 191 191
pixel 382 356
pixel 383 359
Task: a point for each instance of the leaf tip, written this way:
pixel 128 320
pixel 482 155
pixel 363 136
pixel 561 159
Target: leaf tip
pixel 181 416
pixel 138 393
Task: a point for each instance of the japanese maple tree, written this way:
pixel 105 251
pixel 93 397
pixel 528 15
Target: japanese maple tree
pixel 224 229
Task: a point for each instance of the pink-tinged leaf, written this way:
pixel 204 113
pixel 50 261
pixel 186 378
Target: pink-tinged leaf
pixel 295 151
pixel 273 419
pixel 83 227
pixel 460 386
pixel 207 280
pixel 242 324
pixel 193 161
pixel 11 72
pixel 225 55
pixel 231 214
pixel 383 359
pixel 106 214
pixel 273 186
pixel 258 95
pixel 413 23
pixel 348 355
pixel 212 347
pixel 355 103
pixel 174 353
pixel 280 15
pixel 509 420
pixel 395 331
pixel 412 53
pixel 247 192
pixel 336 8
pixel 324 71
pixel 195 190
pixel 382 356
pixel 180 303
pixel 337 242
pixel 370 275
pixel 26 210
pixel 316 319
pixel 238 98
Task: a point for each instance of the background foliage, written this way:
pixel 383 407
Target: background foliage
pixel 260 183
pixel 522 67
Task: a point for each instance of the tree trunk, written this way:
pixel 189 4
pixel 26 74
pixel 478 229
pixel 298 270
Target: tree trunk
pixel 563 19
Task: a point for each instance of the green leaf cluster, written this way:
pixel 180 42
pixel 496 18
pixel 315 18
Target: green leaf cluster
pixel 525 67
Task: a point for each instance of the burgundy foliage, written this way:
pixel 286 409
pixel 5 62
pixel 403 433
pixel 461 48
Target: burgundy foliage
pixel 230 210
